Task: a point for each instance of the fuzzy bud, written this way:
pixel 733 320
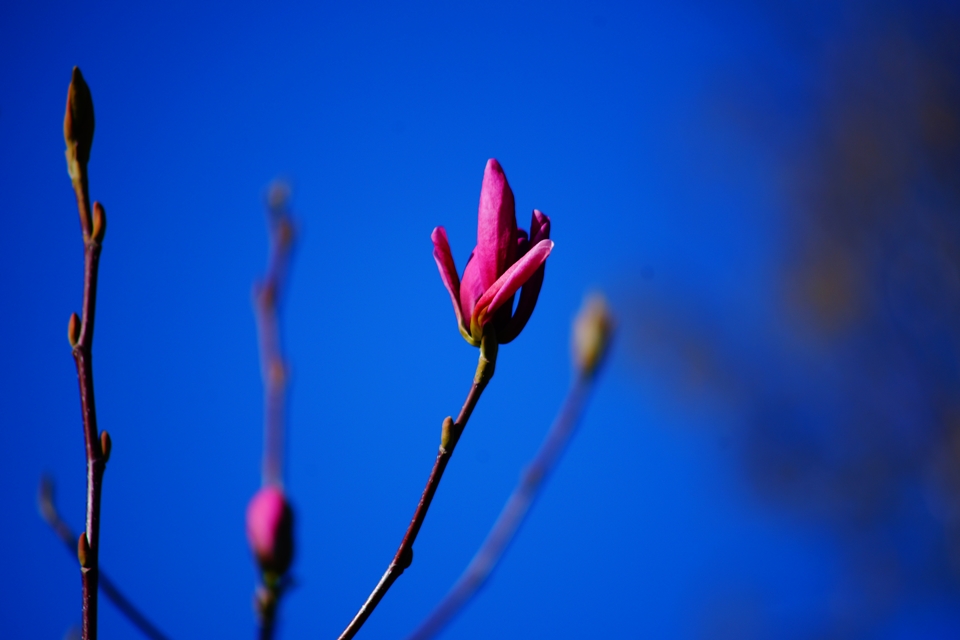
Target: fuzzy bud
pixel 270 530
pixel 78 124
pixel 592 330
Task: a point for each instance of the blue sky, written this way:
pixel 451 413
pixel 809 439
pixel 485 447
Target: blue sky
pixel 382 115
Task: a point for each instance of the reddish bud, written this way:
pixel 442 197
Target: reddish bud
pixel 73 330
pixel 106 445
pixel 83 551
pixel 99 222
pixel 270 530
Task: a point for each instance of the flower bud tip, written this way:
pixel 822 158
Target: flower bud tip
pixel 78 123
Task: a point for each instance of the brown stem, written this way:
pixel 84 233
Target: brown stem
pixel 452 430
pixel 266 306
pixel 513 514
pixel 93 228
pixel 48 510
pixel 272 363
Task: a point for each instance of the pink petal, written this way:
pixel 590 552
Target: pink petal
pixel 270 529
pixel 496 225
pixel 528 300
pixel 507 284
pixel 539 227
pixel 448 270
pixel 471 288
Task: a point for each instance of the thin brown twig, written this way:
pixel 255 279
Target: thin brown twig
pixel 591 337
pixel 273 365
pixel 513 514
pixel 48 509
pixel 78 125
pixel 450 435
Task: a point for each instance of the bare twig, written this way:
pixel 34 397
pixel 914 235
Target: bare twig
pixel 48 509
pixel 450 435
pixel 591 341
pixel 511 517
pixel 78 127
pixel 273 365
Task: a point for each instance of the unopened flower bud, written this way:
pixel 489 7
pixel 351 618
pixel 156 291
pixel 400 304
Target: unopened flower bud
pixel 592 330
pixel 270 530
pixel 78 123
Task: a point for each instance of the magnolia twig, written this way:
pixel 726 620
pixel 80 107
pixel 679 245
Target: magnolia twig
pixel 48 509
pixel 78 124
pixel 266 305
pixel 511 517
pixel 591 341
pixel 450 435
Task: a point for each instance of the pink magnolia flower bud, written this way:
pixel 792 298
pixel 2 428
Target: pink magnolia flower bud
pixel 270 530
pixel 504 260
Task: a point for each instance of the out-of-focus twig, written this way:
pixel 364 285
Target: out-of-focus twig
pixel 591 338
pixel 48 509
pixel 266 304
pixel 274 370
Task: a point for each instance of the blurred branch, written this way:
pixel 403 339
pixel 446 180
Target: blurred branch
pixel 273 366
pixel 266 304
pixel 592 334
pixel 48 509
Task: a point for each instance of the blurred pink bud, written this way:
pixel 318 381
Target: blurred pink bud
pixel 505 260
pixel 270 530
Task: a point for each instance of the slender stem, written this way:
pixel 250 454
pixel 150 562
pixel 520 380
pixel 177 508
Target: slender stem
pixel 513 514
pixel 109 588
pixel 452 430
pixel 83 357
pixel 273 366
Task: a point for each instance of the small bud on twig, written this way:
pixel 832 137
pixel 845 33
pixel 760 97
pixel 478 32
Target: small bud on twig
pixel 78 123
pixel 446 432
pixel 83 551
pixel 99 222
pixel 73 330
pixel 105 445
pixel 591 333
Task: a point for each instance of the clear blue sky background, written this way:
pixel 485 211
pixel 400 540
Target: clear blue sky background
pixel 383 115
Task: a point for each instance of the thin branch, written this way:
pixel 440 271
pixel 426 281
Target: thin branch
pixel 511 517
pixel 273 367
pixel 592 333
pixel 78 125
pixel 450 435
pixel 48 509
